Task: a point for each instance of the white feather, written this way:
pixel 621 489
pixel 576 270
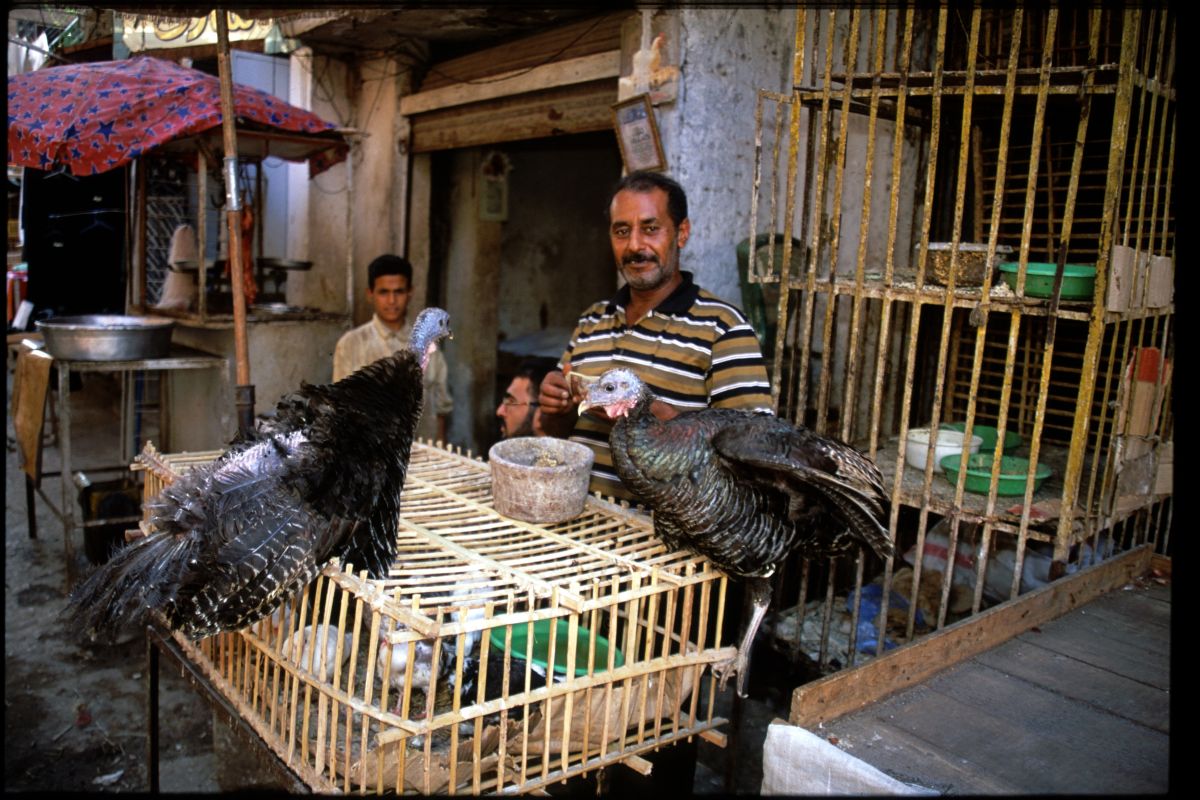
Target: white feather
pixel 326 644
pixel 397 654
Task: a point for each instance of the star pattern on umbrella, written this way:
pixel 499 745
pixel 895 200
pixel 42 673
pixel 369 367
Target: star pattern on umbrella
pixel 93 117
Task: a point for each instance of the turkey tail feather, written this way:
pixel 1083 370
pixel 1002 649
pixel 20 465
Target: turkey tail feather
pixel 125 590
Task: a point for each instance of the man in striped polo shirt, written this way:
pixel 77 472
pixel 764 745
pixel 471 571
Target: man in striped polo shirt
pixel 692 348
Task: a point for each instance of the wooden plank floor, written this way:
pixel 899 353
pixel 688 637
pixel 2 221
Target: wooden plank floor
pixel 1080 704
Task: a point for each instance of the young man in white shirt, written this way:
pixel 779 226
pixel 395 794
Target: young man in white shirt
pixel 389 289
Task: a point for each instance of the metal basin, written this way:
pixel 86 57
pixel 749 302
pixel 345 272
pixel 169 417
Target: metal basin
pixel 107 337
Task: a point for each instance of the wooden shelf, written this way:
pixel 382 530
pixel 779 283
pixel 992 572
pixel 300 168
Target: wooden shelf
pixel 1006 513
pixel 1000 297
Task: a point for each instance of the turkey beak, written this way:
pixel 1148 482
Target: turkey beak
pixel 584 405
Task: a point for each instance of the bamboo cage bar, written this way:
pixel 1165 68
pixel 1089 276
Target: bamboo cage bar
pixel 1047 131
pixel 415 683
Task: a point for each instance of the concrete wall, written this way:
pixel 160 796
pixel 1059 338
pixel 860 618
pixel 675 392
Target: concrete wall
pixel 282 354
pixel 726 56
pixel 364 97
pixel 323 238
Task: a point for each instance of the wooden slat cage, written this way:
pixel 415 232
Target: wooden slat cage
pixel 1047 131
pixel 466 583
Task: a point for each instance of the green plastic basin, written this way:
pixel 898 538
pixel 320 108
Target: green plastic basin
pixel 1079 280
pixel 1012 440
pixel 541 646
pixel 1013 471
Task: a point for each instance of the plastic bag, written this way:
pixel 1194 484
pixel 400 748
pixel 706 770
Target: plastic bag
pixel 868 615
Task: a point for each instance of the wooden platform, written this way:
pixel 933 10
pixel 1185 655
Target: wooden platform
pixel 1079 703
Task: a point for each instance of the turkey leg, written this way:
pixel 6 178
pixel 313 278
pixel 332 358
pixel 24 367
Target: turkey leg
pixel 760 598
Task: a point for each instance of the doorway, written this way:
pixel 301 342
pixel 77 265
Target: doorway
pixel 517 286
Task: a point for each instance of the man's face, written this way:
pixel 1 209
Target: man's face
pixel 517 408
pixel 645 241
pixel 390 299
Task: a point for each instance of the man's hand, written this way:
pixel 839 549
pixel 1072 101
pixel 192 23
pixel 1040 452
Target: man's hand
pixel 562 392
pixel 554 396
pixel 556 413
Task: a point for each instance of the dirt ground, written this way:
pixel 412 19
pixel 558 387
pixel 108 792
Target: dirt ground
pixel 76 712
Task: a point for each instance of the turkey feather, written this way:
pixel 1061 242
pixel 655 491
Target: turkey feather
pixel 237 537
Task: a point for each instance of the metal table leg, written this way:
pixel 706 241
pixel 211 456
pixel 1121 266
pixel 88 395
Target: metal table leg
pixel 152 714
pixel 65 474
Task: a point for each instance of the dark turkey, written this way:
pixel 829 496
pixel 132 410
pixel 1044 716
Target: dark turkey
pixel 742 489
pixel 236 537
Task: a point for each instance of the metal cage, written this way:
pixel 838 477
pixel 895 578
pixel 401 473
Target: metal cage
pixel 919 150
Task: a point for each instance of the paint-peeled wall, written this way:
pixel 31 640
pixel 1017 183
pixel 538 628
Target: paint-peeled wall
pixel 726 56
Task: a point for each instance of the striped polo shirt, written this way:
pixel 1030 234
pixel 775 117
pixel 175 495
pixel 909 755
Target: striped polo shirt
pixel 693 350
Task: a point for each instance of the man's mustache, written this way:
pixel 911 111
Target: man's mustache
pixel 639 258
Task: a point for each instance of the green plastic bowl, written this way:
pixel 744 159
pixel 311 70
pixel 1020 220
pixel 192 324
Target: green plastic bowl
pixel 541 646
pixel 1013 470
pixel 1079 280
pixel 1012 440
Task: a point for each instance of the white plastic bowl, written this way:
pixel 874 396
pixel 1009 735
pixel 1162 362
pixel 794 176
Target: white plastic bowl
pixel 948 443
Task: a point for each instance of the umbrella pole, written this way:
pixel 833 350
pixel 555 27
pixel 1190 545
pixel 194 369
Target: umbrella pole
pixel 244 397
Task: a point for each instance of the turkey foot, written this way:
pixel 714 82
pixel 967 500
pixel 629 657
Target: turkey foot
pixel 760 599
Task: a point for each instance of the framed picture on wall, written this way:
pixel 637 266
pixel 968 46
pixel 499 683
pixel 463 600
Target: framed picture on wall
pixel 637 133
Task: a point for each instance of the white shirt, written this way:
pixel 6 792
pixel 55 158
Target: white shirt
pixel 372 341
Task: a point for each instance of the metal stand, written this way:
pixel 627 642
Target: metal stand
pixel 180 358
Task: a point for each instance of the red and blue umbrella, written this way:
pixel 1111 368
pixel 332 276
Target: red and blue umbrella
pixel 93 117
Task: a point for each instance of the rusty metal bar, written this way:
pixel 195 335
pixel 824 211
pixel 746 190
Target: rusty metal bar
pixel 849 403
pixel 1116 166
pixel 782 322
pixel 817 235
pixel 914 322
pixel 1072 475
pixel 1048 344
pixel 1089 506
pixel 1167 217
pixel 1102 466
pixel 1144 124
pixel 1159 135
pixel 947 321
pixel 1006 388
pixel 828 346
pixel 905 57
pixel 1061 90
pixel 885 315
pixel 757 183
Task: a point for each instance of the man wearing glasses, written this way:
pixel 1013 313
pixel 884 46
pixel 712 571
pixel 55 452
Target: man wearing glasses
pixel 518 410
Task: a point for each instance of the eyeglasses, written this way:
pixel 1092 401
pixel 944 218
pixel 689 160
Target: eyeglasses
pixel 508 402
